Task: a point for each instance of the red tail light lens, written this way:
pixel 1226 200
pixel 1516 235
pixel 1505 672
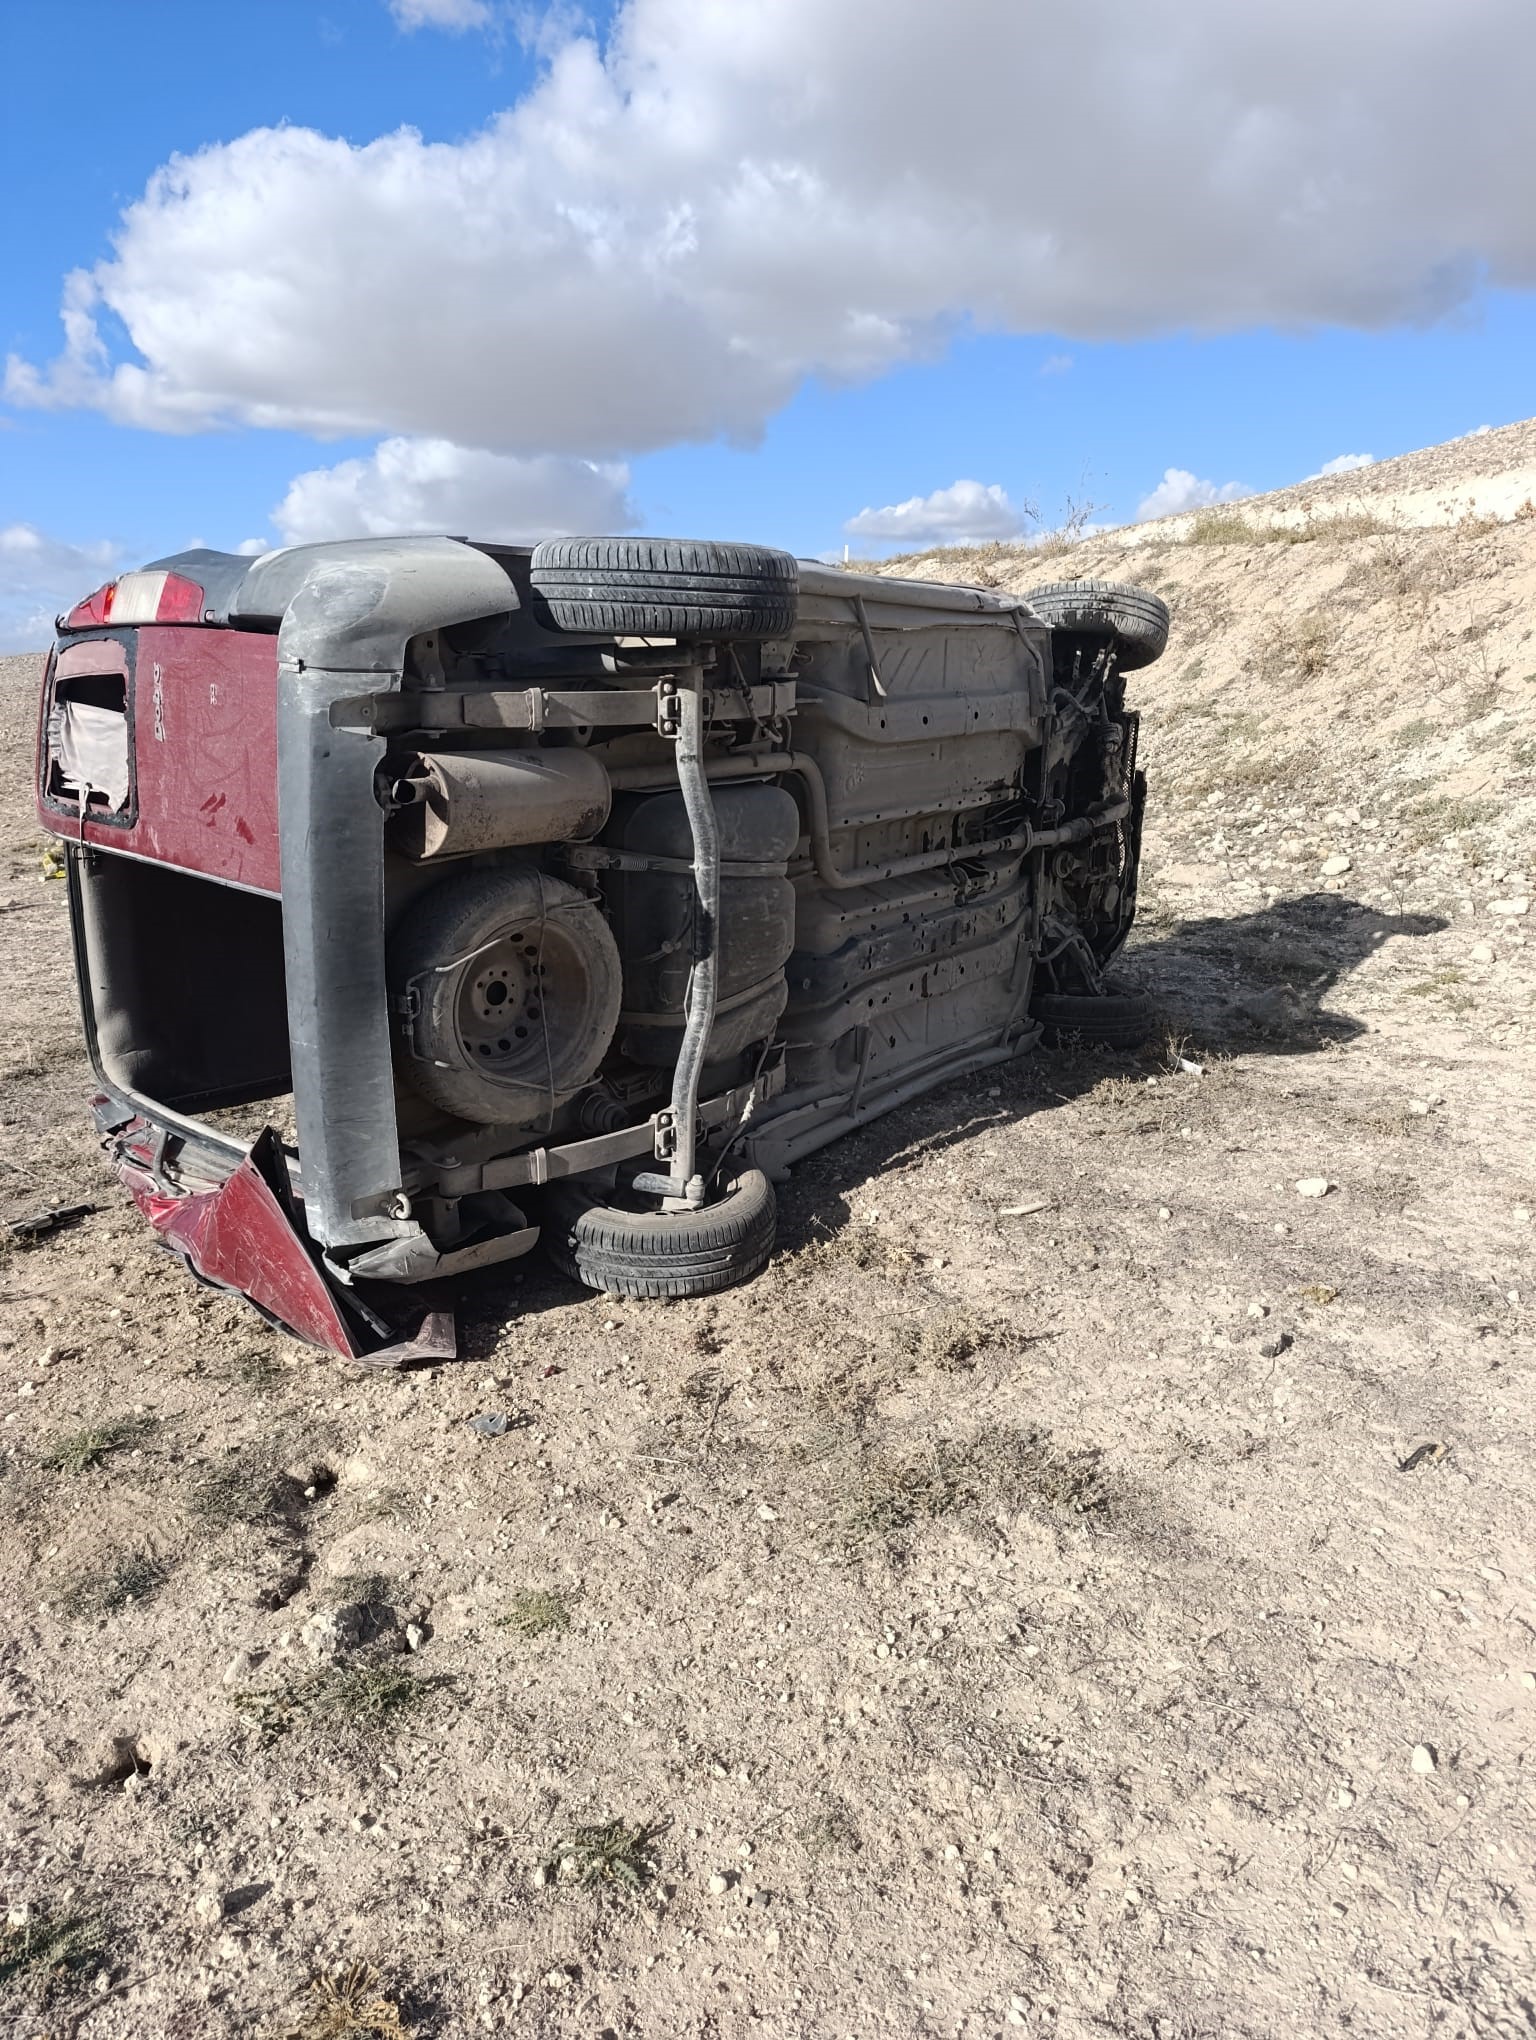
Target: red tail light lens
pixel 179 601
pixel 94 609
pixel 158 597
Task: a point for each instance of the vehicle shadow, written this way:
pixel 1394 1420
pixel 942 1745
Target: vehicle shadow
pixel 1256 983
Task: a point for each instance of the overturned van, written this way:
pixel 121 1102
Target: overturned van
pixel 435 900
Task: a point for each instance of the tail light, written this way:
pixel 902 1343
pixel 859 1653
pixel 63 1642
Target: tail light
pixel 157 597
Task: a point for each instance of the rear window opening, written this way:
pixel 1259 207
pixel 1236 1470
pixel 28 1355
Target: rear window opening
pixel 185 986
pixel 89 754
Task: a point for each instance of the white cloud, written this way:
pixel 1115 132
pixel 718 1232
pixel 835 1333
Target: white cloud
pixel 1343 464
pixel 1056 364
pixel 41 576
pixel 671 231
pixel 1179 490
pixel 965 513
pixel 454 15
pixel 433 485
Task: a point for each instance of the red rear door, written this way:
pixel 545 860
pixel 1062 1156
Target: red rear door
pixel 165 736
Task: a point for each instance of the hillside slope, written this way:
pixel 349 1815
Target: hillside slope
pixel 1353 689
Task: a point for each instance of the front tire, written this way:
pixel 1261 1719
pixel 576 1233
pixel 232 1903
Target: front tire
pixel 636 1252
pixel 1110 1020
pixel 1134 620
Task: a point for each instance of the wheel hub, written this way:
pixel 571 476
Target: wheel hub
pixel 501 1007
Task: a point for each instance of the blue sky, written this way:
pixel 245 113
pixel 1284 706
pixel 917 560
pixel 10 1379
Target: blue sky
pixel 651 267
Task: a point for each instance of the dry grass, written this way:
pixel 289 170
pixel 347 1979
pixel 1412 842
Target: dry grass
pixel 1298 648
pixel 348 2004
pixel 132 1577
pixel 76 1452
pixel 1403 567
pixel 366 1700
pixel 896 1489
pixel 954 1337
pixel 48 1952
pixel 1435 817
pixel 858 1245
pixel 1222 526
pixel 250 1488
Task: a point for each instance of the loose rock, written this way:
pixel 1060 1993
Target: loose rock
pixel 332 1632
pixel 1313 1186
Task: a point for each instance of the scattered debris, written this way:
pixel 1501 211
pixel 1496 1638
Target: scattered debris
pixel 1429 1454
pixel 39 1223
pixel 496 1423
pixel 1024 1210
pixel 1314 1186
pixel 1423 1760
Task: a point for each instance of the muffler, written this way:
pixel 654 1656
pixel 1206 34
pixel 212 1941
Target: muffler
pixel 453 803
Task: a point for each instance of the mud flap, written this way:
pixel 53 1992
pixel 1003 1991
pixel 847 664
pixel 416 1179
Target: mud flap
pixel 243 1236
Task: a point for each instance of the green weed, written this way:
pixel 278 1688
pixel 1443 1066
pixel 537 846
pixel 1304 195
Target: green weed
pixel 613 1855
pixel 78 1451
pixel 541 1611
pixel 48 1950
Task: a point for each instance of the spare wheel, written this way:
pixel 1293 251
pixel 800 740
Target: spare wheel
pixel 663 587
pixel 505 988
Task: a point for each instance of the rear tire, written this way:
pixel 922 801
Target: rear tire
pixel 1135 620
pixel 662 1253
pixel 1110 1020
pixel 663 587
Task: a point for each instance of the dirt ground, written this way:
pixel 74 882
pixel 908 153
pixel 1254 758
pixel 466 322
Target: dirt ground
pixel 1084 1587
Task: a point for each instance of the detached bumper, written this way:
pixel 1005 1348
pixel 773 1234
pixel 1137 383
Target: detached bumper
pixel 231 1217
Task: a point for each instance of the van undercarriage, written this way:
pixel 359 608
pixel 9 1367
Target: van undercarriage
pixel 432 899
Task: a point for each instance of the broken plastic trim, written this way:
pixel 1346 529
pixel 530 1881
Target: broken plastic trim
pixel 241 1233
